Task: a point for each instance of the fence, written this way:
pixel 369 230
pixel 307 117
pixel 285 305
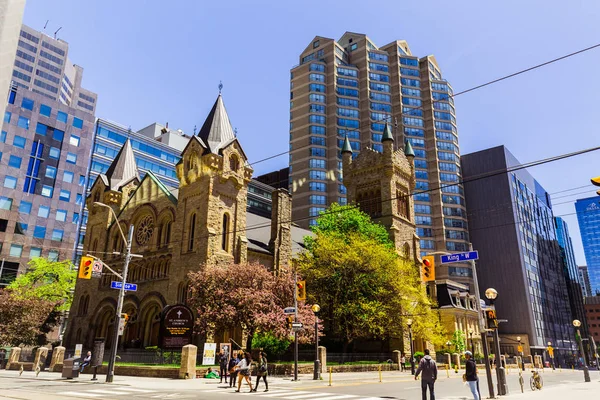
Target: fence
pixel 338 358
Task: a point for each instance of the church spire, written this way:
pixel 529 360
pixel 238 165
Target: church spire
pixel 387 133
pixel 123 169
pixel 346 148
pixel 216 130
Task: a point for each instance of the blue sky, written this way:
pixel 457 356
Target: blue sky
pixel 152 62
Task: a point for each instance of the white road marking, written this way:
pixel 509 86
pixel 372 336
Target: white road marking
pixel 344 396
pixel 305 396
pixel 80 394
pixel 136 390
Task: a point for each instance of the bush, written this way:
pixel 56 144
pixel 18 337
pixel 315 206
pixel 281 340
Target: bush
pixel 270 344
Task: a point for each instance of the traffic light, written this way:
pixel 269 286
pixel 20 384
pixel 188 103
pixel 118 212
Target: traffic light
pixel 596 182
pixel 492 322
pixel 289 320
pixel 125 318
pixel 301 291
pixel 428 268
pixel 85 267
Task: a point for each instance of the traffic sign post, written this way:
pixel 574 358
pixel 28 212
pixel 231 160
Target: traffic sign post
pixel 128 286
pixel 458 257
pixel 97 269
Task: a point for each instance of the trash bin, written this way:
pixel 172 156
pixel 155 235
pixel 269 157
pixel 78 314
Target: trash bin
pixel 71 368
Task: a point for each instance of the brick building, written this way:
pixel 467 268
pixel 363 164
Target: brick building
pixel 592 315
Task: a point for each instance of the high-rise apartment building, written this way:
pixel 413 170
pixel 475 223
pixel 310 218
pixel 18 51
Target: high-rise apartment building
pixel 584 278
pixel 353 87
pixel 512 226
pixel 42 65
pixel 11 15
pixel 588 217
pixel 571 273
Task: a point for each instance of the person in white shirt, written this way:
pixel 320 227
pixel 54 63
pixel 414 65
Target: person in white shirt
pixel 244 368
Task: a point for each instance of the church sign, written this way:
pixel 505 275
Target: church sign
pixel 176 326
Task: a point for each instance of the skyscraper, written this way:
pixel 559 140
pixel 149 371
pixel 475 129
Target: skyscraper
pixel 11 15
pixel 353 87
pixel 512 226
pixel 42 65
pixel 584 278
pixel 588 217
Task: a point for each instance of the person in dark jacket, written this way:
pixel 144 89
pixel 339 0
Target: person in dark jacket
pixel 428 370
pixel 471 375
pixel 223 358
pixel 262 371
pixel 235 359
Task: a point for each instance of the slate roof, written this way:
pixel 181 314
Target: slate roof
pixel 216 131
pixel 123 168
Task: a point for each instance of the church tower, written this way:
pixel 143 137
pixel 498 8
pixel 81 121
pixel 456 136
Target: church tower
pixel 381 185
pixel 214 177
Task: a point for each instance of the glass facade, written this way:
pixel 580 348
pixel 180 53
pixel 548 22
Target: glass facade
pixel 588 216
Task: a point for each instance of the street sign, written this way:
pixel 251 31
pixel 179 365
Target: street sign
pixel 289 310
pixel 176 327
pixel 128 286
pixel 97 269
pixel 458 257
pixel 297 325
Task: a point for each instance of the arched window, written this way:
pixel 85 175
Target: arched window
pixel 81 307
pixel 78 336
pixel 234 162
pixel 95 245
pixel 182 292
pixel 225 233
pixel 192 232
pixel 164 234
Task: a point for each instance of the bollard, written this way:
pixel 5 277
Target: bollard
pixel 330 369
pixel 447 371
pixel 379 373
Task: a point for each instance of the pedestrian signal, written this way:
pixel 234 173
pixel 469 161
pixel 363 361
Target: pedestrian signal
pixel 289 320
pixel 428 268
pixel 125 318
pixel 596 182
pixel 301 291
pixel 492 322
pixel 85 267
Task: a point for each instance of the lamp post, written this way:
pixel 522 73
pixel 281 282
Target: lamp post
pixel 551 354
pixel 317 369
pixel 412 357
pixel 491 295
pixel 520 350
pixel 113 351
pixel 586 372
pixel 472 344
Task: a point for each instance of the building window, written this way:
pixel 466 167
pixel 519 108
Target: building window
pixel 25 207
pixel 75 218
pixel 41 129
pixel 10 182
pixel 68 177
pixel 57 234
pixel 317 199
pixel 20 228
pixel 62 116
pixel 7 116
pixel 44 211
pixel 45 110
pixel 234 162
pixel 23 122
pixel 50 172
pixel 77 123
pixel 74 140
pixel 54 153
pixel 5 203
pixel 35 252
pixel 27 104
pixel 3 137
pixel 79 199
pixel 16 250
pixel 14 162
pixel 53 255
pixel 192 232
pixel 72 158
pixel 61 215
pixel 65 195
pixel 225 233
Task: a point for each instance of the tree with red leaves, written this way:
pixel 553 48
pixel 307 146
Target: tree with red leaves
pixel 248 296
pixel 21 319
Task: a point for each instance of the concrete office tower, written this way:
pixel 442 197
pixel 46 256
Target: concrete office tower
pixel 353 87
pixel 588 216
pixel 42 65
pixel 11 16
pixel 512 226
pixel 584 278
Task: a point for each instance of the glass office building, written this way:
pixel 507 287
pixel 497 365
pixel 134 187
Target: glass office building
pixel 588 216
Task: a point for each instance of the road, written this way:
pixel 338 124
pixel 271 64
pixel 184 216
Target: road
pixel 348 386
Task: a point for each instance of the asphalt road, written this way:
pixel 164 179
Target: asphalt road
pixel 361 386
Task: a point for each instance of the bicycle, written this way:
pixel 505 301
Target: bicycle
pixel 536 381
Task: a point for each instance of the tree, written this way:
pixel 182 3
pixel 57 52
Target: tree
pixel 52 281
pixel 21 319
pixel 458 341
pixel 248 296
pixel 366 291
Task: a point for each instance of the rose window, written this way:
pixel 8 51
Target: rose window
pixel 145 230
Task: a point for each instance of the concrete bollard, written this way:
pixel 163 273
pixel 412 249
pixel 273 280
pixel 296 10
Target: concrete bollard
pixel 530 360
pixel 449 360
pixel 456 357
pixel 40 358
pixel 322 355
pixel 396 356
pixel 188 362
pixel 13 359
pixel 58 356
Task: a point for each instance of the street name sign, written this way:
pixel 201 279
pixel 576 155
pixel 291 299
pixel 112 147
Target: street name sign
pixel 297 326
pixel 289 310
pixel 128 286
pixel 458 257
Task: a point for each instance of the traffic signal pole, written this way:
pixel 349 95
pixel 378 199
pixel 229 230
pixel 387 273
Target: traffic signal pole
pixel 295 320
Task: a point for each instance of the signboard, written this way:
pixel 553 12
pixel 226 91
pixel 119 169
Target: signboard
pixel 97 269
pixel 98 352
pixel 226 347
pixel 210 351
pixel 458 257
pixel 289 310
pixel 176 327
pixel 128 286
pixel 297 326
pixel 78 349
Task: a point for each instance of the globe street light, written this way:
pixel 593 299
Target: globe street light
pixel 491 295
pixel 412 359
pixel 317 369
pixel 586 372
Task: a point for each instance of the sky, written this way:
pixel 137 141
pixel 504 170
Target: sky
pixel 155 61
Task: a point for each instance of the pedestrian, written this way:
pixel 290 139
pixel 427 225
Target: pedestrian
pixel 244 369
pixel 262 371
pixel 233 362
pixel 223 365
pixel 402 363
pixel 428 368
pixel 471 375
pixel 86 361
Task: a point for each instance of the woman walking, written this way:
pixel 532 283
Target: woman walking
pixel 232 370
pixel 262 371
pixel 244 368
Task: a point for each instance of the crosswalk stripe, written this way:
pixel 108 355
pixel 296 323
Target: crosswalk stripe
pixel 273 394
pixel 136 390
pixel 102 391
pixel 80 394
pixel 343 396
pixel 306 396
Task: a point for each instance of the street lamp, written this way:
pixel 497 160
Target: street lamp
pixel 113 351
pixel 472 344
pixel 491 295
pixel 412 359
pixel 586 372
pixel 317 372
pixel 520 350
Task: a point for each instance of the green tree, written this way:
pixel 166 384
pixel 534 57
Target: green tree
pixel 366 291
pixel 458 341
pixel 52 281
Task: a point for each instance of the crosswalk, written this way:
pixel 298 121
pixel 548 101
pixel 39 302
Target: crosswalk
pixel 118 391
pixel 291 394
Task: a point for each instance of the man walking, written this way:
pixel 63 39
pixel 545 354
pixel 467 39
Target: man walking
pixel 223 360
pixel 471 375
pixel 428 368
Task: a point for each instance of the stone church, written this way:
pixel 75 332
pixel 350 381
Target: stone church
pixel 203 221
